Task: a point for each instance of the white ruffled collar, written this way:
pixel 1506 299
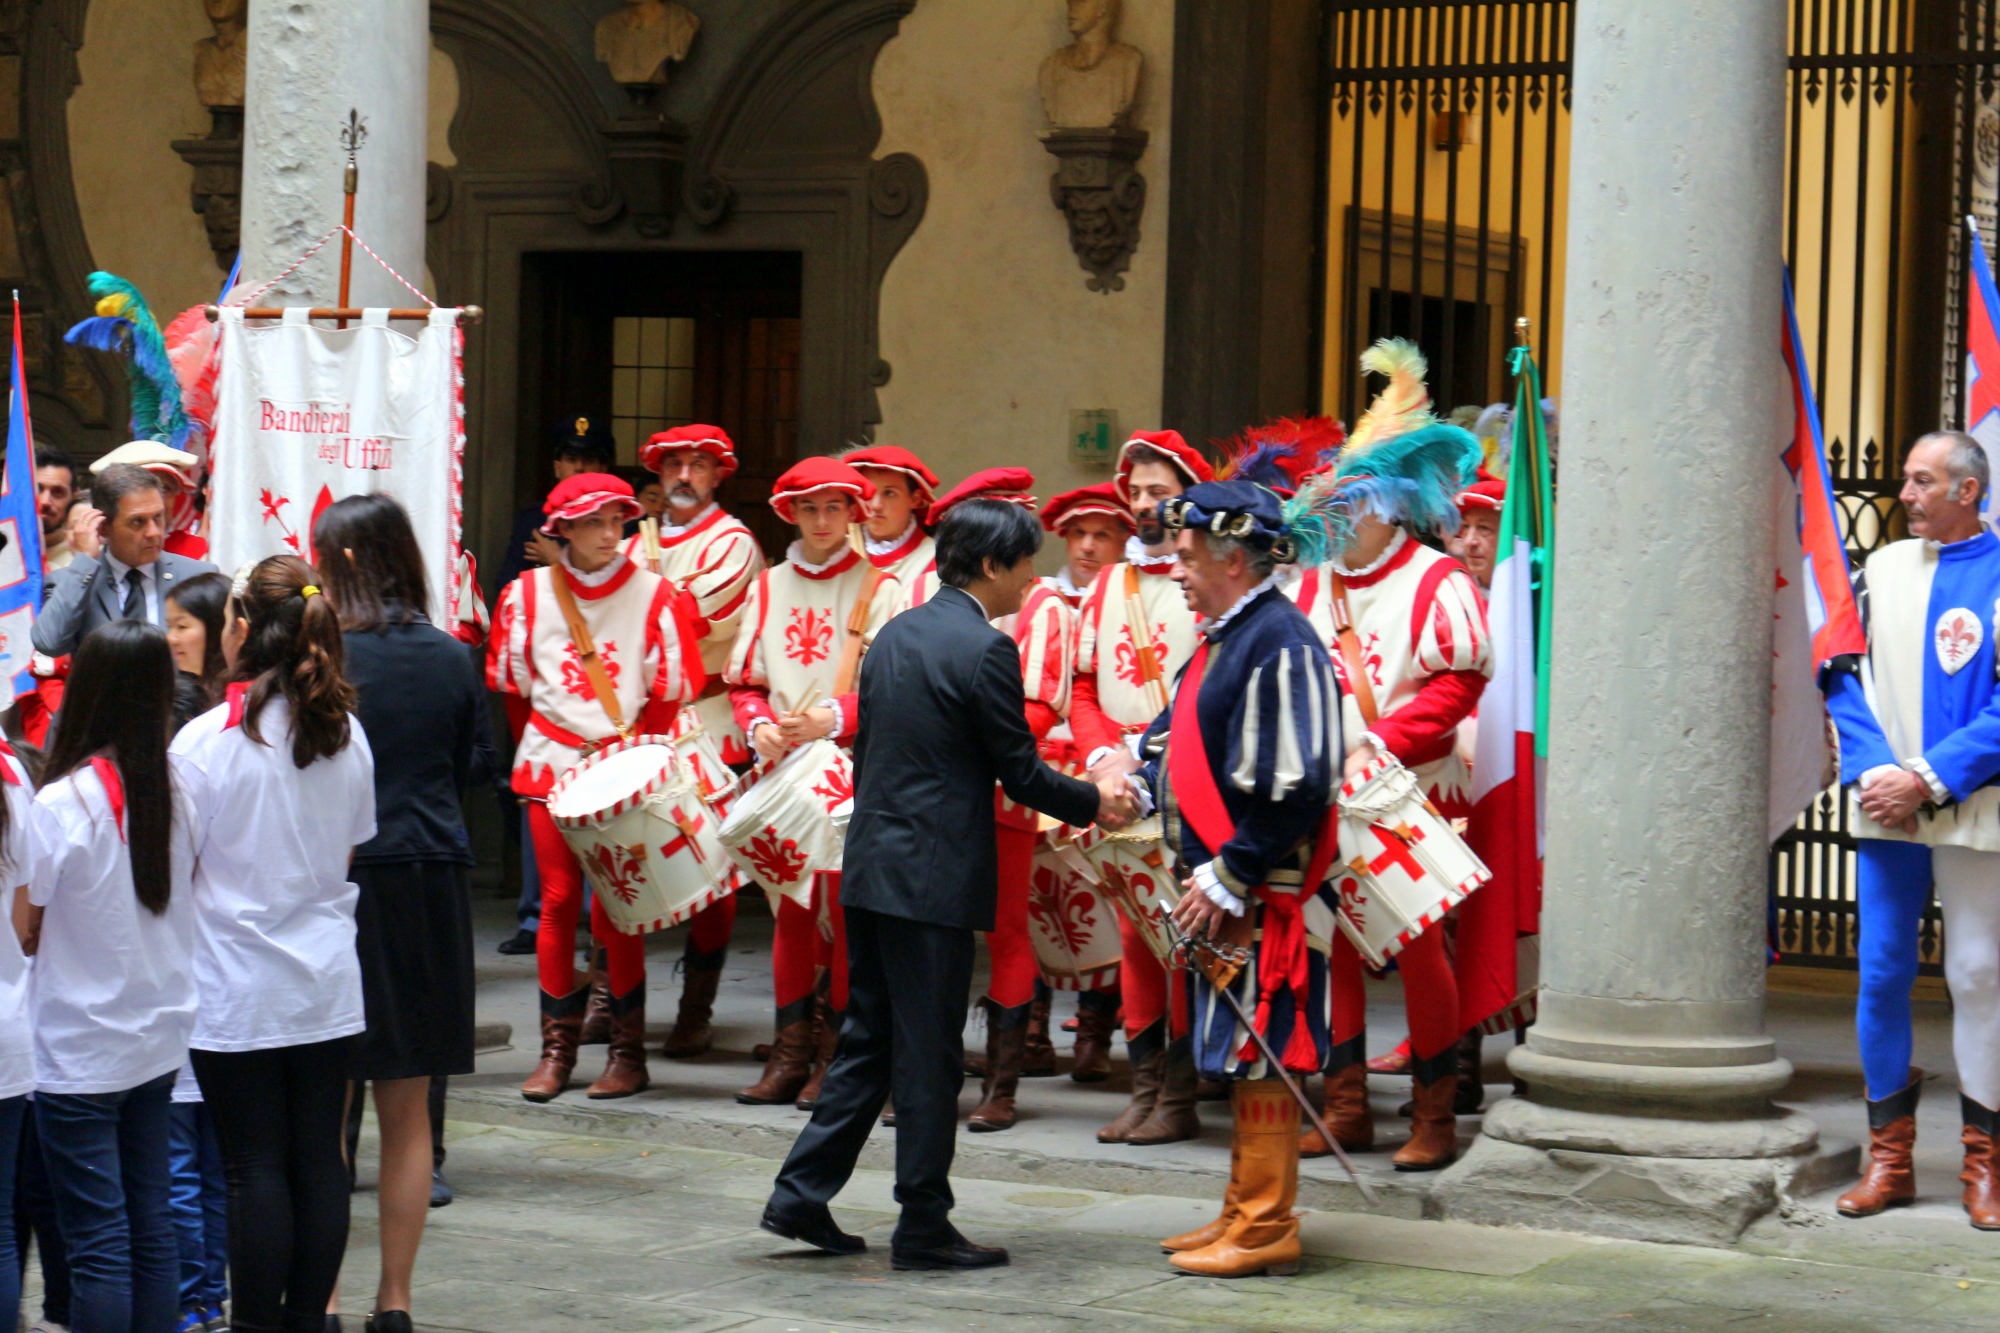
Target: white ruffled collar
pixel 1147 563
pixel 1396 543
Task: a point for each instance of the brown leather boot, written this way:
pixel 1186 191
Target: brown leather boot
pixel 1148 1053
pixel 1173 1119
pixel 826 1039
pixel 1038 1053
pixel 1096 1016
pixel 1264 1237
pixel 1006 1042
pixel 1890 1178
pixel 1433 1127
pixel 625 1067
pixel 597 1015
pixel 790 1061
pixel 1216 1230
pixel 1981 1175
pixel 1346 1109
pixel 692 1034
pixel 1471 1093
pixel 562 1020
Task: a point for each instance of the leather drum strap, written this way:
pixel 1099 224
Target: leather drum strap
pixel 1350 647
pixel 857 626
pixel 1151 669
pixel 586 651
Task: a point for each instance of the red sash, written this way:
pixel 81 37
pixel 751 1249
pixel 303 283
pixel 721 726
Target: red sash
pixel 1285 955
pixel 114 790
pixel 236 696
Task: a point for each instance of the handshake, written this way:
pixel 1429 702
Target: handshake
pixel 1117 798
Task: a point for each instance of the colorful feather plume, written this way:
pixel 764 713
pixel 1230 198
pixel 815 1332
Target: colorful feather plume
pixel 194 349
pixel 1279 454
pixel 1404 406
pixel 124 324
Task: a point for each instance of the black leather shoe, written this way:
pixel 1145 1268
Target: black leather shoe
pixel 389 1321
pixel 440 1188
pixel 520 942
pixel 821 1232
pixel 958 1252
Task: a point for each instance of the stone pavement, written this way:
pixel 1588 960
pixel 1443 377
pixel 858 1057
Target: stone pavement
pixel 557 1232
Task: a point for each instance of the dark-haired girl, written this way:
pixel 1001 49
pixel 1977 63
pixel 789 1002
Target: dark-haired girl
pixel 112 993
pixel 194 632
pixel 289 777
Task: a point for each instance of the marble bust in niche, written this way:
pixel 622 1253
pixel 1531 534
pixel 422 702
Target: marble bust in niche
pixel 1094 81
pixel 219 60
pixel 640 38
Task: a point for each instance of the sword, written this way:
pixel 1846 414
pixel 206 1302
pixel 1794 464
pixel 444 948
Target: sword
pixel 1187 945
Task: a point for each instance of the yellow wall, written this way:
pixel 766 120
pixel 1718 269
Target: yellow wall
pixel 986 323
pixel 137 95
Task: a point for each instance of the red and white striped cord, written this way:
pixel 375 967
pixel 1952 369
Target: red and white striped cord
pixel 314 249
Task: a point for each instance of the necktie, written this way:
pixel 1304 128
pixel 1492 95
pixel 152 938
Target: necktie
pixel 135 596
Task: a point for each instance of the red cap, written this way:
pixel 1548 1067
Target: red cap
pixel 1187 459
pixel 818 473
pixel 711 440
pixel 995 483
pixel 896 459
pixel 1489 492
pixel 586 493
pixel 1099 499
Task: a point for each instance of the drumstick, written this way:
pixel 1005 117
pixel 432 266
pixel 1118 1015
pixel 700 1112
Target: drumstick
pixel 811 698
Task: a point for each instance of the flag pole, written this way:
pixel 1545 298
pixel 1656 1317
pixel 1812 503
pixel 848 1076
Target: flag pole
pixel 352 136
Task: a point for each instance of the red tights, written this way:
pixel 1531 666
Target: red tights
pixel 798 950
pixel 1143 983
pixel 710 928
pixel 1007 945
pixel 562 900
pixel 1430 994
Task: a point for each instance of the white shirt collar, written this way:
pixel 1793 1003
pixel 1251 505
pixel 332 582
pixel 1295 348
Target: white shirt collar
pixel 796 553
pixel 1067 586
pixel 1136 554
pixel 670 530
pixel 119 568
pixel 589 580
pixel 883 548
pixel 1213 627
pixel 1396 544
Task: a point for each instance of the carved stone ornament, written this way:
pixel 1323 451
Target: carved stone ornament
pixel 646 151
pixel 217 190
pixel 1100 191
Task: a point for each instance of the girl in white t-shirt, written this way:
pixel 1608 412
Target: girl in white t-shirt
pixel 112 990
pixel 17 1050
pixel 290 787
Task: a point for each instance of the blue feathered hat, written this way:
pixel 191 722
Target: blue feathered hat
pixel 1400 464
pixel 1241 510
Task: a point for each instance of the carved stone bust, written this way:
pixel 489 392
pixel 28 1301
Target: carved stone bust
pixel 640 38
pixel 1093 82
pixel 219 60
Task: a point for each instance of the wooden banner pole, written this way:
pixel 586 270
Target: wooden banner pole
pixel 352 136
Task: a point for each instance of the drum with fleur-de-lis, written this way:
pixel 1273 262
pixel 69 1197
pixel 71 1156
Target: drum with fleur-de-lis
pixel 1071 922
pixel 1131 865
pixel 780 832
pixel 634 815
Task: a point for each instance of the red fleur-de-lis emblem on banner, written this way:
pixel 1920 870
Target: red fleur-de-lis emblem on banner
pixel 619 870
pixel 576 680
pixel 1127 663
pixel 778 861
pixel 1958 636
pixel 809 638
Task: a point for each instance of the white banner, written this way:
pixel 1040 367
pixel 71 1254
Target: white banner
pixel 306 416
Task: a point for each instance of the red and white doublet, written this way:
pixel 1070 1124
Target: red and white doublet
pixel 1420 622
pixel 905 558
pixel 714 559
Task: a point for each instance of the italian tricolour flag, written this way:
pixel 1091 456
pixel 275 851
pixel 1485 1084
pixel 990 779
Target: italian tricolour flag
pixel 1497 925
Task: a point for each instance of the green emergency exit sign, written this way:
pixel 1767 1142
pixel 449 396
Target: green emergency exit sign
pixel 1093 436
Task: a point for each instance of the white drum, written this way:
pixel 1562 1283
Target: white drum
pixel 781 832
pixel 1402 866
pixel 1071 922
pixel 1132 866
pixel 634 816
pixel 718 785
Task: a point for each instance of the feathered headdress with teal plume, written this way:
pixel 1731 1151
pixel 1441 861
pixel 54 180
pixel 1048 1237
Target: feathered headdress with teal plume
pixel 1400 464
pixel 124 324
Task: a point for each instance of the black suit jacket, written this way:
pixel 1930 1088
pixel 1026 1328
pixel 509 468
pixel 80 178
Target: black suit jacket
pixel 942 721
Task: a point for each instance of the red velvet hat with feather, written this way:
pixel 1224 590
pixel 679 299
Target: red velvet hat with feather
pixel 1280 454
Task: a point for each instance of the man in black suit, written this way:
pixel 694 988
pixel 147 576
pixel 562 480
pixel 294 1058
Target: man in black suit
pixel 941 721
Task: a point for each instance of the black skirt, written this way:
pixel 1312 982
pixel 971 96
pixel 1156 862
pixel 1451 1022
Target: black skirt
pixel 413 932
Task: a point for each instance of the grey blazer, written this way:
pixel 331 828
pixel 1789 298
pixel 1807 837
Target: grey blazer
pixel 84 596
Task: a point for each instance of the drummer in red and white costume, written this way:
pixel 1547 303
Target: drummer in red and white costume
pixel 1420 634
pixel 895 539
pixel 1094 523
pixel 710 555
pixel 787 653
pixel 1135 634
pixel 647 649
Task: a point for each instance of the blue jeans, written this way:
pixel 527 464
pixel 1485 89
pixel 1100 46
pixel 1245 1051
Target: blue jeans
pixel 107 1160
pixel 12 1110
pixel 35 1215
pixel 201 1208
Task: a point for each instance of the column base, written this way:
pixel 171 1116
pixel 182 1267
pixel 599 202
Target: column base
pixel 1699 1182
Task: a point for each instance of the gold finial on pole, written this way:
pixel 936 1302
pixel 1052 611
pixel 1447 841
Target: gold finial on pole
pixel 1521 326
pixel 352 136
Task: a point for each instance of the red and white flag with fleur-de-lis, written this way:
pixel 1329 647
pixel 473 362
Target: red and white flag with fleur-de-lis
pixel 307 415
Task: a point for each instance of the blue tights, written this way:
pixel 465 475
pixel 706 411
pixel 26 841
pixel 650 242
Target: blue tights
pixel 1895 885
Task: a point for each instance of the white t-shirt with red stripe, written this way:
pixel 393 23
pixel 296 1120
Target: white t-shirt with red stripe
pixel 112 991
pixel 17 866
pixel 275 963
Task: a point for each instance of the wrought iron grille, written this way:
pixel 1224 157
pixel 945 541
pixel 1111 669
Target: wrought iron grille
pixel 1445 193
pixel 1893 139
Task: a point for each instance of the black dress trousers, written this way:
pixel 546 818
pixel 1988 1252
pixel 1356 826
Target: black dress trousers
pixel 907 1038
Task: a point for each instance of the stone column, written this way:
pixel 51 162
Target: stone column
pixel 1650 1074
pixel 311 61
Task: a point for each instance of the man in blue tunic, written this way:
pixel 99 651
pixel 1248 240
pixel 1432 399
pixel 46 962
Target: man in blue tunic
pixel 1919 720
pixel 1243 767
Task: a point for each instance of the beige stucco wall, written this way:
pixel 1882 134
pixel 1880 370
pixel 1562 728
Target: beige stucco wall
pixel 990 334
pixel 136 96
